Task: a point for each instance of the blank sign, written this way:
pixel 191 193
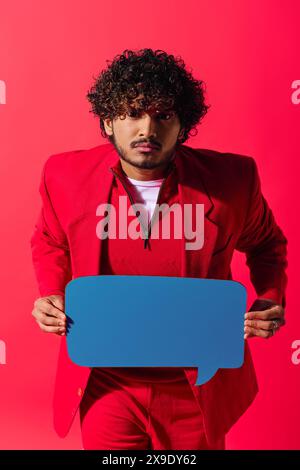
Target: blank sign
pixel 153 321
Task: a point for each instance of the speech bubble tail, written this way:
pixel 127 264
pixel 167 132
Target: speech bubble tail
pixel 204 376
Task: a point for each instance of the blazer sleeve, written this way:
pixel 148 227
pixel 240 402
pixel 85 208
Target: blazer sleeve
pixel 49 247
pixel 265 245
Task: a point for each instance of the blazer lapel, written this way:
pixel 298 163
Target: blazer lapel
pixel 87 246
pixel 192 190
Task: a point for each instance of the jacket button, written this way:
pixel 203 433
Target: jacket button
pixel 79 391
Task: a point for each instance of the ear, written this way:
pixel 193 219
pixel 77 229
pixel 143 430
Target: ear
pixel 108 126
pixel 181 133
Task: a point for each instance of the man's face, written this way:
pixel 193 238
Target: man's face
pixel 159 130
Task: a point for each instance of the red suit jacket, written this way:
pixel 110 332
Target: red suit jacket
pixel 64 246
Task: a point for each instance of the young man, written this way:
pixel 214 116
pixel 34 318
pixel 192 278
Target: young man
pixel 148 104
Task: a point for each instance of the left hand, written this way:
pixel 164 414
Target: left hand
pixel 264 323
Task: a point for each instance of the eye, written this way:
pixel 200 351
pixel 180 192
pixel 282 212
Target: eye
pixel 165 116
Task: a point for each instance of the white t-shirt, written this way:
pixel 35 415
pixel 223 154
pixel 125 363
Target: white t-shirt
pixel 145 192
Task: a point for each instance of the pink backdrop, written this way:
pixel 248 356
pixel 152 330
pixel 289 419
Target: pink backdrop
pixel 247 53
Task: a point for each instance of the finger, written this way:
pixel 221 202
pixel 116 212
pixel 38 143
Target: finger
pixel 274 312
pixel 248 332
pixel 48 320
pixel 45 306
pixel 58 302
pixel 41 316
pixel 52 329
pixel 263 324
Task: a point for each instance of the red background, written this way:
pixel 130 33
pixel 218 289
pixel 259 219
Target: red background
pixel 247 53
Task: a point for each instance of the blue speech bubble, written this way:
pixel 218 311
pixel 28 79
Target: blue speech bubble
pixel 154 321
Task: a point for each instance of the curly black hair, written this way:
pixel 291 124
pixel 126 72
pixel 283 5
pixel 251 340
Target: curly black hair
pixel 149 78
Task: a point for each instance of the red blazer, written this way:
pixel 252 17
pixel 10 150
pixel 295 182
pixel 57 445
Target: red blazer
pixel 64 246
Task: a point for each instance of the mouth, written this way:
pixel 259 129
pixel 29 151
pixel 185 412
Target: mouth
pixel 147 148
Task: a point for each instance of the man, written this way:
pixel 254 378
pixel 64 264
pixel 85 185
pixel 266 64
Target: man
pixel 148 104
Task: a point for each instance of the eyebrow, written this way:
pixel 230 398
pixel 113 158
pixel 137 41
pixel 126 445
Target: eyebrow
pixel 155 111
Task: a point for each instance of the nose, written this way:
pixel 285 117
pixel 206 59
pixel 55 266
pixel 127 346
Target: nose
pixel 148 126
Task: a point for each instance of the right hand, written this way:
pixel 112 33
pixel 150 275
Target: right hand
pixel 49 314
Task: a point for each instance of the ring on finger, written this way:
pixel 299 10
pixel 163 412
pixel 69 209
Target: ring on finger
pixel 275 326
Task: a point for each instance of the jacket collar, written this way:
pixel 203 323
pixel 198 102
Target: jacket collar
pixel 191 190
pixel 184 166
pixel 170 183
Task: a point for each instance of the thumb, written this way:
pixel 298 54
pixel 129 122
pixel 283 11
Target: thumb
pixel 58 301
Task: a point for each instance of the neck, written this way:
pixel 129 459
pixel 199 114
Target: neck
pixel 144 174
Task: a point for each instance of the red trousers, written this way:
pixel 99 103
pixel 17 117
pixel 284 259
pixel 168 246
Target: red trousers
pixel 127 415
